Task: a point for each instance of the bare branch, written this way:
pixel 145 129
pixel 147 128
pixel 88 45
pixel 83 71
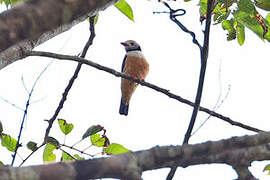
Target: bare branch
pixel 143 83
pixel 26 111
pixel 73 78
pixel 204 57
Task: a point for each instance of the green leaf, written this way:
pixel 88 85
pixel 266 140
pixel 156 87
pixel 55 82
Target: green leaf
pixel 246 15
pixel 267 168
pixel 263 4
pixel 92 130
pixel 9 142
pixel 115 149
pixel 66 157
pixel 1 127
pixel 97 140
pixel 78 157
pixel 220 9
pixel 64 126
pixel 1 163
pixel 53 142
pixel 125 8
pixel 240 31
pixel 220 16
pixel 268 17
pixel 32 146
pixel 229 26
pixel 96 18
pixel 203 7
pixel 48 155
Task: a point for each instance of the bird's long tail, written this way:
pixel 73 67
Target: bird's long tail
pixel 123 110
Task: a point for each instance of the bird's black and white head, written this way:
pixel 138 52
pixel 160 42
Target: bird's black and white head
pixel 131 45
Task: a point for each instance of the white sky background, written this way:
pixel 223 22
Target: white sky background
pixel 154 119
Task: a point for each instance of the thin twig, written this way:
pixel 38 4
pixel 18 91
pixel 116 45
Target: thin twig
pixel 64 96
pixel 204 55
pixel 143 83
pixel 25 113
pixel 12 104
pixel 75 149
pixel 173 14
pixel 217 106
pixel 24 86
pixel 73 78
pixel 31 154
pixel 67 154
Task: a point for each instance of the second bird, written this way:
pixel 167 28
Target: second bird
pixel 135 65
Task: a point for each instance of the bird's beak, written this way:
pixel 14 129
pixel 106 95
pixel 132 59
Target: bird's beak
pixel 124 44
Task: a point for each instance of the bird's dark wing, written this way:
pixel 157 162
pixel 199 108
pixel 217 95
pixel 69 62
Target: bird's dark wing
pixel 123 63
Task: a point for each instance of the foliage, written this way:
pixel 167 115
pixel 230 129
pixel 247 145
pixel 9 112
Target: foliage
pixel 1 127
pixel 52 144
pixel 115 149
pixel 235 21
pixel 32 146
pixel 267 168
pixel 65 127
pixel 8 142
pixel 48 155
pixel 125 8
pixel 97 140
pixel 92 130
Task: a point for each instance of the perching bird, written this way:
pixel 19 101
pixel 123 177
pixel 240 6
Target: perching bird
pixel 135 65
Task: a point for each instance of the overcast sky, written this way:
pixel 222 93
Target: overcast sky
pixel 239 73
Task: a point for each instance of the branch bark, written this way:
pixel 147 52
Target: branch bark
pixel 236 151
pixel 44 20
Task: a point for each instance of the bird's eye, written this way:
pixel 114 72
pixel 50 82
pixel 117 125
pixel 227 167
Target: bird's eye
pixel 132 44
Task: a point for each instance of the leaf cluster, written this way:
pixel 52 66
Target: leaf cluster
pixel 93 133
pixel 236 15
pixel 96 139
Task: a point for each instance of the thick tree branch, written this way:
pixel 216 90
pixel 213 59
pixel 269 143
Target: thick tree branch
pixel 236 151
pixel 243 173
pixel 14 52
pixel 29 23
pixel 143 83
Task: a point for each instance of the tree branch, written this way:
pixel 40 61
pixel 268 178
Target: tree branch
pixel 204 56
pixel 236 151
pixel 43 20
pixel 15 52
pixel 73 78
pixel 26 111
pixel 243 173
pixel 143 83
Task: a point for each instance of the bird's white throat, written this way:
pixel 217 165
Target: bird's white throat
pixel 138 54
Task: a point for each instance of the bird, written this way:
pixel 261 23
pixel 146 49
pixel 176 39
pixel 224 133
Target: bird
pixel 135 65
